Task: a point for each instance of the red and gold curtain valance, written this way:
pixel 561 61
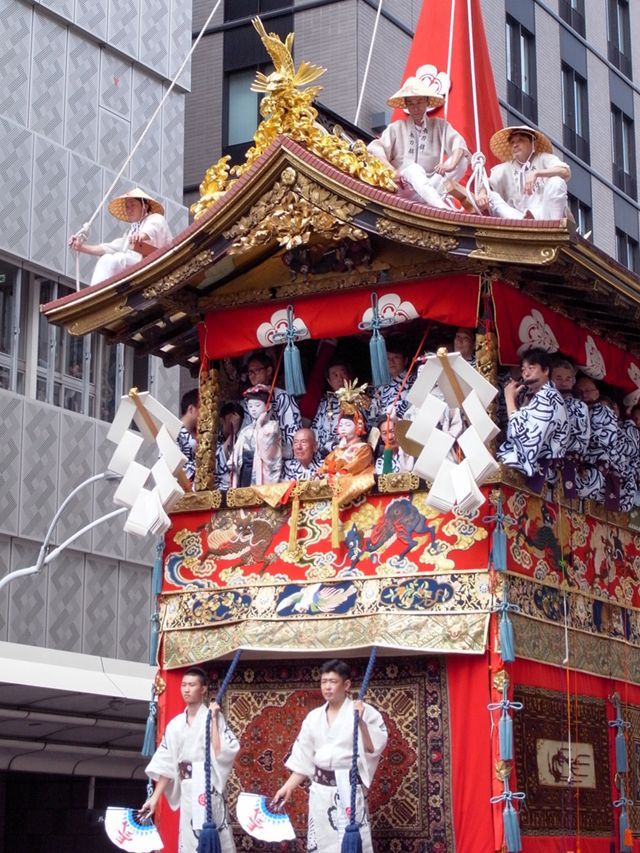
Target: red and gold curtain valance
pixel 234 331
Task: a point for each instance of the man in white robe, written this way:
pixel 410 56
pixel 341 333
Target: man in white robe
pixel 323 753
pixel 424 152
pixel 537 427
pixel 531 182
pixel 182 745
pixel 148 231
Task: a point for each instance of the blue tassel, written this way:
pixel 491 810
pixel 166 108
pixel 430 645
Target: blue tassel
pixel 379 365
pixel 499 546
pixel 626 842
pixel 149 743
pixel 622 762
pixel 209 841
pixel 156 577
pixel 507 644
pixel 505 736
pixel 351 841
pixel 154 639
pixel 511 829
pixel 293 378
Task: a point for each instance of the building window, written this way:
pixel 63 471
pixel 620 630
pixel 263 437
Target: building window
pixel 236 10
pixel 575 113
pixel 242 107
pixel 582 215
pixel 572 11
pixel 624 152
pixel 13 299
pixel 627 249
pixel 521 69
pixel 619 35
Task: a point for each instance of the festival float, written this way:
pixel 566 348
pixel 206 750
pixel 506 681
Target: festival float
pixel 505 619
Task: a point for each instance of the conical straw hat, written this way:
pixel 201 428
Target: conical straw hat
pixel 413 87
pixel 117 205
pixel 501 146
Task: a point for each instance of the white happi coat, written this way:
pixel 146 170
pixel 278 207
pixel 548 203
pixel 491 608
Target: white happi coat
pixel 508 199
pixel 402 144
pixel 118 256
pixel 601 453
pixel 183 742
pixel 628 463
pixel 330 747
pixel 537 434
pixel 325 423
pixel 385 397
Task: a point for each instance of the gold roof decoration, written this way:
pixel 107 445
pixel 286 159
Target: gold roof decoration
pixel 287 109
pixel 352 397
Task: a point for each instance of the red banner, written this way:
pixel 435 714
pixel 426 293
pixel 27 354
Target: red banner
pixel 234 331
pixel 522 322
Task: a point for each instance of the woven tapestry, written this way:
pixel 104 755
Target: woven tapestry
pixel 409 802
pixel 546 757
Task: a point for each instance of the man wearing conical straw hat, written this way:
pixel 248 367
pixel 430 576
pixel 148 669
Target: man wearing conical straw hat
pixel 424 151
pixel 148 231
pixel 530 182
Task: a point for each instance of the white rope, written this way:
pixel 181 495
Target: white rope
pixel 83 232
pixel 472 56
pixel 366 69
pixel 449 56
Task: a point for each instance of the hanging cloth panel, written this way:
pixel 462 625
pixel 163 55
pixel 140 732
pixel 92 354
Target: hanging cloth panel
pixel 453 300
pixel 522 322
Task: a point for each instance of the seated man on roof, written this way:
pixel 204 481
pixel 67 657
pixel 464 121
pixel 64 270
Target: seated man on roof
pixel 424 151
pixel 306 459
pixel 530 182
pixel 148 231
pixel 537 429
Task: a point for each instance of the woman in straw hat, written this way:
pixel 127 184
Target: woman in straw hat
pixel 424 151
pixel 149 231
pixel 530 182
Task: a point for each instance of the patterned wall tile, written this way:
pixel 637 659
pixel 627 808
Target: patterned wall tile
pixel 47 77
pixel 64 8
pixel 115 84
pixel 124 25
pixel 112 227
pixel 154 34
pixel 11 408
pixel 180 41
pixel 49 225
pixel 15 57
pixel 64 602
pixel 92 16
pixel 134 610
pixel 113 144
pixel 76 455
pixel 107 538
pixel 27 598
pixel 177 216
pixel 100 607
pixel 85 193
pixel 145 164
pixel 39 490
pixel 81 114
pixel 5 568
pixel 16 154
pixel 173 146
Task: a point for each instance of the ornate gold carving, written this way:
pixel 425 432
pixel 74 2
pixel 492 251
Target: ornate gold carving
pixel 288 110
pixel 493 247
pixel 93 320
pixel 207 430
pixel 291 213
pixel 424 239
pixel 194 501
pixel 500 679
pixel 314 490
pixel 401 482
pixel 487 356
pixel 243 497
pixel 175 279
pixel 159 685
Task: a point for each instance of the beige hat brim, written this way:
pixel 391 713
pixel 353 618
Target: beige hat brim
pixel 117 205
pixel 501 147
pixel 397 101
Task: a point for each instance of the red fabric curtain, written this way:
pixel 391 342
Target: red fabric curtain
pixel 234 331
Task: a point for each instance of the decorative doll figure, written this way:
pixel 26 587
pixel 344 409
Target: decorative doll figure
pixel 352 455
pixel 258 452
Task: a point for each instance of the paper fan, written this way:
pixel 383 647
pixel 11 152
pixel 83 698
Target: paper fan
pixel 256 819
pixel 128 833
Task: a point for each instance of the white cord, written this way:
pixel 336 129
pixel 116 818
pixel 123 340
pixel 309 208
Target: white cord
pixel 178 73
pixel 473 75
pixel 449 55
pixel 366 70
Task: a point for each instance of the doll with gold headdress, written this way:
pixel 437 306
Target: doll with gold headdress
pixel 352 455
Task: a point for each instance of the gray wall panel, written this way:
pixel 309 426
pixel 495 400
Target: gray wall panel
pixel 64 602
pixel 27 604
pixel 180 40
pixel 115 84
pixel 153 49
pixel 11 409
pixel 15 58
pixel 5 565
pixel 145 165
pixel 124 25
pixel 39 489
pixel 92 16
pixel 64 8
pixel 46 112
pixel 172 150
pixel 134 610
pixel 112 227
pixel 16 154
pixel 49 224
pixel 84 194
pixel 100 607
pixel 113 145
pixel 77 439
pixel 83 78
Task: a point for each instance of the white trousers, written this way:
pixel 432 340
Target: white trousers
pixel 547 201
pixel 430 188
pixel 113 263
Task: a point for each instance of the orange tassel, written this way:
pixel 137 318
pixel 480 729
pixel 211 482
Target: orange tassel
pixel 628 837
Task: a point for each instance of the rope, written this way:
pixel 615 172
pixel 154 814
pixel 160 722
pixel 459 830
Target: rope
pixel 449 56
pixel 356 723
pixel 411 365
pixel 83 232
pixel 366 69
pixel 474 90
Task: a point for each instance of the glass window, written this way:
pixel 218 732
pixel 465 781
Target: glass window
pixel 572 11
pixel 242 112
pixel 582 215
pixel 575 116
pixel 12 325
pixel 521 69
pixel 624 152
pixel 627 250
pixel 619 35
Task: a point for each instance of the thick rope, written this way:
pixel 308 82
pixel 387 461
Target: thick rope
pixel 449 56
pixel 366 69
pixel 474 89
pixel 356 723
pixel 84 231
